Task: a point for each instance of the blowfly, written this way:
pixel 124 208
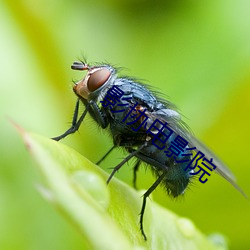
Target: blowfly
pixel 147 126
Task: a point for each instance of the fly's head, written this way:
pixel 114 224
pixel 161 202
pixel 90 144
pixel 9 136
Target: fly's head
pixel 95 80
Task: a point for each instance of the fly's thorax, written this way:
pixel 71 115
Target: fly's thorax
pixel 94 85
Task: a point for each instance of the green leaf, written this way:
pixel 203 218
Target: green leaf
pixel 107 215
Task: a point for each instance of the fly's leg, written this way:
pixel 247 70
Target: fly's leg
pixel 124 161
pixel 93 108
pixel 136 167
pixel 145 196
pixel 75 124
pixel 105 155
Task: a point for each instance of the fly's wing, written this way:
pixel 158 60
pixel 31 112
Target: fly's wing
pixel 174 121
pixel 221 168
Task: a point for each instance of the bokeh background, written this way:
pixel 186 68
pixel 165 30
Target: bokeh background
pixel 195 52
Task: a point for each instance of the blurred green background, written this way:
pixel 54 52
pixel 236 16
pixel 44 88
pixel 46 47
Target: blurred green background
pixel 195 52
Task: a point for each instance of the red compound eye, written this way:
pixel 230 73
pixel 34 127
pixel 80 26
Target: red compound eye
pixel 97 79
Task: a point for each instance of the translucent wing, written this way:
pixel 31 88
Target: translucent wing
pixel 221 168
pixel 174 120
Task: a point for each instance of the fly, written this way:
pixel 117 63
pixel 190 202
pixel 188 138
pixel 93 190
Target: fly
pixel 148 127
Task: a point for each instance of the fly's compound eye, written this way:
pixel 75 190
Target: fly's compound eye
pixel 97 79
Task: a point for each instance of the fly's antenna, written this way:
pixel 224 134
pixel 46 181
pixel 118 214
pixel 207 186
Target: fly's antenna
pixel 80 66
